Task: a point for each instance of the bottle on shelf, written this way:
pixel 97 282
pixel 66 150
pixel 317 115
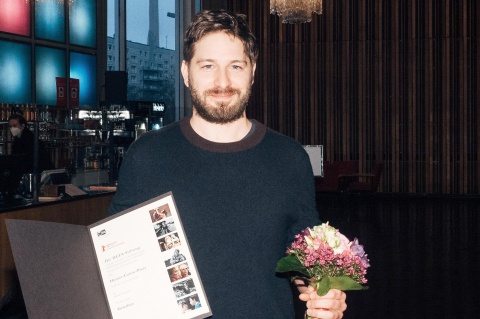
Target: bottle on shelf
pixel 26 112
pixel 3 112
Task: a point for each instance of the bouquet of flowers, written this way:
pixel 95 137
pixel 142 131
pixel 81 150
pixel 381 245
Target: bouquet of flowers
pixel 326 259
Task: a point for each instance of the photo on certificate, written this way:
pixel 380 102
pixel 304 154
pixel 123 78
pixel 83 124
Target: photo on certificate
pixel 184 288
pixel 160 213
pixel 179 272
pixel 176 257
pixel 189 303
pixel 164 227
pixel 168 242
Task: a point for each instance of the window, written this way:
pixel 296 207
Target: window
pixel 150 36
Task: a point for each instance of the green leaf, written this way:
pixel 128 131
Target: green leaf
pixel 322 286
pixel 345 283
pixel 341 283
pixel 291 263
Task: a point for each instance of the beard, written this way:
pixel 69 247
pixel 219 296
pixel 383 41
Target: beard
pixel 221 112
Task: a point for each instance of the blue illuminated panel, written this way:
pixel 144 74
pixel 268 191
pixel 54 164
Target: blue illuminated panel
pixel 49 64
pixel 15 72
pixel 83 23
pixel 83 67
pixel 50 20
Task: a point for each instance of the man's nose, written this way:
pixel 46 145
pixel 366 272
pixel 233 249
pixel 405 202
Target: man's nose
pixel 222 78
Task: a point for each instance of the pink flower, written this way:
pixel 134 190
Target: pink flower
pixel 325 252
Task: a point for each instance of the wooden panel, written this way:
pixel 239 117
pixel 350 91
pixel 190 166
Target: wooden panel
pixel 389 81
pixel 79 212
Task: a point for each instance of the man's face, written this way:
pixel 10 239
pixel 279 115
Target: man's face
pixel 220 77
pixel 15 123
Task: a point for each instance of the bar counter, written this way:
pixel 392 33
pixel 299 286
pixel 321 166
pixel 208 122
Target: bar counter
pixel 80 210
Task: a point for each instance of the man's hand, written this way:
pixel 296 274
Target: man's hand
pixel 330 306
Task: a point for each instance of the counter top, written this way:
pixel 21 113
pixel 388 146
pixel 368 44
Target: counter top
pixel 91 191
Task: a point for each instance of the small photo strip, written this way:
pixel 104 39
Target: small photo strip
pixel 179 272
pixel 189 303
pixel 168 242
pixel 164 227
pixel 160 213
pixel 184 288
pixel 175 258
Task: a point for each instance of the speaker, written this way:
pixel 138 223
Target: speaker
pixel 115 87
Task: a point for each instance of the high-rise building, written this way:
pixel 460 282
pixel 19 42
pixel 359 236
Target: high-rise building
pixel 150 68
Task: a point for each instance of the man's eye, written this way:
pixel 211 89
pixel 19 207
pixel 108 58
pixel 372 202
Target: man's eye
pixel 237 67
pixel 207 66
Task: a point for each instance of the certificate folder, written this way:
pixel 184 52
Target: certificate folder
pixel 135 264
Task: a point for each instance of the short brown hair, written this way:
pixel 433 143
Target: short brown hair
pixel 211 21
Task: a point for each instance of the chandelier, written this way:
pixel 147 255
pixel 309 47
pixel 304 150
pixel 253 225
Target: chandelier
pixel 58 1
pixel 295 11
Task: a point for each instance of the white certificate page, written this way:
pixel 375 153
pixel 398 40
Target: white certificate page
pixel 146 265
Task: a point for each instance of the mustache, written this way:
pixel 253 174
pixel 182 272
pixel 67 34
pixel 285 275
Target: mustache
pixel 222 91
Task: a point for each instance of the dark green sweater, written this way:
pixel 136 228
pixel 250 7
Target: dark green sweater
pixel 240 203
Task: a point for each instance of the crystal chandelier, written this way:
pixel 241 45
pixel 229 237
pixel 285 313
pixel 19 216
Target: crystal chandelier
pixel 58 1
pixel 296 11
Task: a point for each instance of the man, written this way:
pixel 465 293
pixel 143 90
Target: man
pixel 243 191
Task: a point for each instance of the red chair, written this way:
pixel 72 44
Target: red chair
pixel 330 182
pixel 362 182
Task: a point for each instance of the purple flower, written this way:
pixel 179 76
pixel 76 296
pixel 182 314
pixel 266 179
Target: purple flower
pixel 358 250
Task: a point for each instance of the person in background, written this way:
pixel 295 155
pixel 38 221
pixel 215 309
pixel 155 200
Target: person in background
pixel 243 190
pixel 23 143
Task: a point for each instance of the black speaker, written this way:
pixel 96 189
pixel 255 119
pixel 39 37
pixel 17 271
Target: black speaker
pixel 115 87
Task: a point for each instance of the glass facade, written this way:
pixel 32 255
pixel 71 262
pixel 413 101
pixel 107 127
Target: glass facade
pixel 83 67
pixel 152 62
pixel 83 23
pixel 49 64
pixel 15 16
pixel 30 62
pixel 50 20
pixel 15 72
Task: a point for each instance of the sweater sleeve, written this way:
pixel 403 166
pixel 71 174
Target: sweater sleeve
pixel 303 193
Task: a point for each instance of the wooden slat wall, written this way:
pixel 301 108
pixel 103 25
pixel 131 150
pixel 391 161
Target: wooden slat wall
pixel 388 81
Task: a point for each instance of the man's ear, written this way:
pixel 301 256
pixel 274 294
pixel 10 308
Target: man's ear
pixel 184 70
pixel 254 67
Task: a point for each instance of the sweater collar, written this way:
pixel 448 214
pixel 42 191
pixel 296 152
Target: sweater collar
pixel 251 140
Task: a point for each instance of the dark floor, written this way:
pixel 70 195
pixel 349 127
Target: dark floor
pixel 424 253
